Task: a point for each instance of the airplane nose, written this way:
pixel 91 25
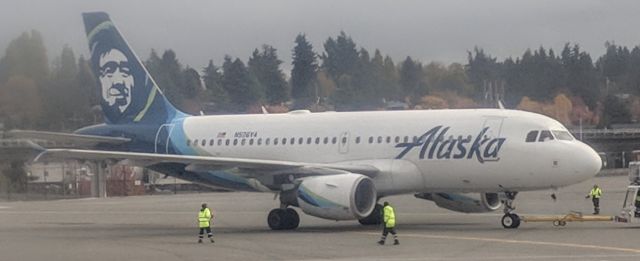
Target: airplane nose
pixel 591 162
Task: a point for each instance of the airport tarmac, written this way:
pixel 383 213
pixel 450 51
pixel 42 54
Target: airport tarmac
pixel 164 228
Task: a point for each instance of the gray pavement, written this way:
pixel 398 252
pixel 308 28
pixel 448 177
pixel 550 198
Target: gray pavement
pixel 164 228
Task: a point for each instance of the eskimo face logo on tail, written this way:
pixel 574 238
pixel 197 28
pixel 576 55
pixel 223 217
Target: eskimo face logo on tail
pixel 116 80
pixel 436 144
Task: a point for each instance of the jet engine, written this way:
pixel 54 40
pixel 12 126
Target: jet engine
pixel 466 203
pixel 337 197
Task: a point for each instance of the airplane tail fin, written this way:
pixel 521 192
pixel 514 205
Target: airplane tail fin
pixel 128 92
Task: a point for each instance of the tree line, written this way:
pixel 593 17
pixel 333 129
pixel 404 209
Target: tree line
pixel 36 93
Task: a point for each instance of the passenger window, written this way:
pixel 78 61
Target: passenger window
pixel 358 140
pixel 334 140
pixel 219 142
pixel 195 142
pixel 379 139
pixel 344 140
pixel 326 140
pixel 259 141
pixel 397 140
pixel 211 142
pixel 317 140
pixel 300 140
pixel 531 136
pixel 284 141
pixel 562 135
pixel 266 142
pixel 370 139
pixel 293 141
pixel 406 139
pixel 275 141
pixel 388 139
pixel 204 142
pixel 235 142
pixel 545 135
pixel 309 140
pixel 227 142
pixel 251 142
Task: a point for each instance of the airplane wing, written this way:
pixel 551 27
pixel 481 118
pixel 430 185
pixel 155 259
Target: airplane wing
pixel 196 163
pixel 59 139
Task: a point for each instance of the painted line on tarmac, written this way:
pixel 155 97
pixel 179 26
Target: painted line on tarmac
pixel 522 242
pixel 543 257
pixel 4 207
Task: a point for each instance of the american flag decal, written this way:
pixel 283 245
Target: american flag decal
pixel 222 134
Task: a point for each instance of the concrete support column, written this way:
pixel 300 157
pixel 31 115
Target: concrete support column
pixel 99 180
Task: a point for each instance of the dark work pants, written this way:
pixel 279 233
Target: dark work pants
pixel 596 205
pixel 208 229
pixel 386 232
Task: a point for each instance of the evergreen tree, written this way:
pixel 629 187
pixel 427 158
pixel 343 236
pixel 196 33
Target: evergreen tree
pixel 243 89
pixel 615 111
pixel 412 79
pixel 26 56
pixel 212 78
pixel 391 86
pixel 87 91
pixel 265 66
pixel 303 73
pixel 63 93
pixel 481 69
pixel 581 77
pixel 192 84
pixel 340 57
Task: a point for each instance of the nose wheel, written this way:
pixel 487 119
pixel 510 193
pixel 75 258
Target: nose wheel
pixel 510 221
pixel 283 219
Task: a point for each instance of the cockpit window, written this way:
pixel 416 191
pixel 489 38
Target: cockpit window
pixel 531 136
pixel 562 135
pixel 545 135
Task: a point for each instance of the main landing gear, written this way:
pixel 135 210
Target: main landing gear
pixel 510 219
pixel 283 218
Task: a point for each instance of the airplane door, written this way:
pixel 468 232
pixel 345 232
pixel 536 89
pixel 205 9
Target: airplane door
pixel 343 143
pixel 495 127
pixel 162 138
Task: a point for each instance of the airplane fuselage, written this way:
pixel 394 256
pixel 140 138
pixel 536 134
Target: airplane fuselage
pixel 481 150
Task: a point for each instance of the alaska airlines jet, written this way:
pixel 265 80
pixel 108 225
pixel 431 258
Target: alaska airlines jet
pixel 332 165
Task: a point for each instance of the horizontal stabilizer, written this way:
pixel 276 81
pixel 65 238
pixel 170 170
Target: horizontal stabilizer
pixel 59 139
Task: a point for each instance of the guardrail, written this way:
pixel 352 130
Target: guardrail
pixel 607 133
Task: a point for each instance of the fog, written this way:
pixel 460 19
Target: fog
pixel 426 30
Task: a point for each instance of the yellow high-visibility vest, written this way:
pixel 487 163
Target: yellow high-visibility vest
pixel 595 193
pixel 204 216
pixel 389 217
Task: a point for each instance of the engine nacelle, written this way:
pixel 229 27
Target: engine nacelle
pixel 466 203
pixel 337 197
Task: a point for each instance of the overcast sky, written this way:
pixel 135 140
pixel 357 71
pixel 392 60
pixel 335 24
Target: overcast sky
pixel 427 30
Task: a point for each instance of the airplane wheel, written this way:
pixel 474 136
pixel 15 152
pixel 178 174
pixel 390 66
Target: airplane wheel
pixel 293 219
pixel 375 218
pixel 510 221
pixel 276 219
pixel 279 219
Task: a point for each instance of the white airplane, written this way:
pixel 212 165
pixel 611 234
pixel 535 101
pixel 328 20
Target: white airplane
pixel 332 165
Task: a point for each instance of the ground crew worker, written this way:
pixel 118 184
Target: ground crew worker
pixel 204 222
pixel 595 195
pixel 389 218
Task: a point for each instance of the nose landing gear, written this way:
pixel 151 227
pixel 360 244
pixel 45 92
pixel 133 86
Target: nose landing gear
pixel 510 219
